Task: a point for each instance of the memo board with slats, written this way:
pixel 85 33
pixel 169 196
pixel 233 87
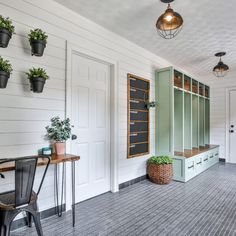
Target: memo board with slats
pixel 138 116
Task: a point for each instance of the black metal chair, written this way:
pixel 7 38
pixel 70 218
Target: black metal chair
pixel 22 198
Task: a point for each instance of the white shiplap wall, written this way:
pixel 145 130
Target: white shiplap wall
pixel 23 115
pixel 218 115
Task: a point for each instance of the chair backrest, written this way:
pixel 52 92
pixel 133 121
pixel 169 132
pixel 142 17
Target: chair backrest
pixel 24 180
pixel 25 169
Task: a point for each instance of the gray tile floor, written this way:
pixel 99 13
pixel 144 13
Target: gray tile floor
pixel 206 205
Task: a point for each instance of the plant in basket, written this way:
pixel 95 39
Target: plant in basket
pixel 37 78
pixel 38 41
pixel 5 71
pixel 6 31
pixel 59 132
pixel 160 169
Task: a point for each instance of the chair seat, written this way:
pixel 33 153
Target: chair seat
pixel 7 200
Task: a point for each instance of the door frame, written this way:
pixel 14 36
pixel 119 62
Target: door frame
pixel 73 48
pixel 227 141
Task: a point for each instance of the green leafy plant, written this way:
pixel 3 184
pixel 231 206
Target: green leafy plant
pixel 6 23
pixel 160 160
pixel 37 34
pixel 5 65
pixel 37 72
pixel 60 130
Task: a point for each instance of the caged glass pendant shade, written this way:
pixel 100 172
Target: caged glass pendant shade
pixel 170 23
pixel 221 69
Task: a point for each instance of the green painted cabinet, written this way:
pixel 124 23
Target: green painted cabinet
pixel 185 168
pixel 183 122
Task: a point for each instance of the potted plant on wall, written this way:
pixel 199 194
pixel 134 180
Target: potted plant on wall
pixel 59 132
pixel 5 71
pixel 38 41
pixel 160 169
pixel 151 104
pixel 37 78
pixel 6 31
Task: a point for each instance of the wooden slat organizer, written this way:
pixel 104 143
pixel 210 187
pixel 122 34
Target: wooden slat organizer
pixel 138 116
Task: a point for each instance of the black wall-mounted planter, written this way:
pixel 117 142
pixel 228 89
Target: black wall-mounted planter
pixel 37 47
pixel 5 36
pixel 37 84
pixel 4 76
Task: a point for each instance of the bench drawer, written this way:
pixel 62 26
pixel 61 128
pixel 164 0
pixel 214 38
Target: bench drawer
pixel 189 168
pixel 198 164
pixel 205 161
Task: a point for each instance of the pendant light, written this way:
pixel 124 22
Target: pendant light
pixel 221 69
pixel 170 23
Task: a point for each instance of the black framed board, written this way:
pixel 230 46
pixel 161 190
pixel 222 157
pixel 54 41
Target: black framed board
pixel 138 116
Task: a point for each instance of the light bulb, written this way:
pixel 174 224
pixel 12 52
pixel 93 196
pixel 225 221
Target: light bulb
pixel 169 18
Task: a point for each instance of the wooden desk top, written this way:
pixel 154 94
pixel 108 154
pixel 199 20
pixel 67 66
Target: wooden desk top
pixel 63 158
pixel 55 159
pixel 195 151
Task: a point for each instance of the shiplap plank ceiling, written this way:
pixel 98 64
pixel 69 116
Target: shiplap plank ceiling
pixel 209 27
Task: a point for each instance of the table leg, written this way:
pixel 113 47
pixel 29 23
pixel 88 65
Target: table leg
pixel 59 206
pixel 73 191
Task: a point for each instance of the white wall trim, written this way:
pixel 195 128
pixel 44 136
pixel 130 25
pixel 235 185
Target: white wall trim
pixel 114 113
pixel 227 105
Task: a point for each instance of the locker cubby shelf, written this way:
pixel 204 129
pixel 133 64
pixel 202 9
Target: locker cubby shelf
pixel 187 121
pixel 178 120
pixel 187 83
pixel 183 114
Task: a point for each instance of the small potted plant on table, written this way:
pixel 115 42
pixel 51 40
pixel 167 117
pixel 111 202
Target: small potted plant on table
pixel 6 31
pixel 37 78
pixel 38 41
pixel 160 169
pixel 5 71
pixel 59 132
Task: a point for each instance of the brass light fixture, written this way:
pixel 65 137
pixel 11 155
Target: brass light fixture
pixel 221 69
pixel 170 23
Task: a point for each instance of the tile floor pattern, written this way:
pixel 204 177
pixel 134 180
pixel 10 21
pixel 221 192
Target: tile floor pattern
pixel 204 206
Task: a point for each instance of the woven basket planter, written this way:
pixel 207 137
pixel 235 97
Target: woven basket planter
pixel 160 174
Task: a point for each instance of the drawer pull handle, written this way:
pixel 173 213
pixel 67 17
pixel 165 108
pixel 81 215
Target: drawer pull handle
pixel 198 163
pixel 211 156
pixel 190 167
pixel 134 101
pixel 134 112
pixel 205 159
pixel 216 154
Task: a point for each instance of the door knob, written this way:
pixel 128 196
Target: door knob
pixel 73 137
pixel 231 131
pixel 231 126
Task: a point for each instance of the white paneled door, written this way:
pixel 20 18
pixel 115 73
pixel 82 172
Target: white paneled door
pixel 232 126
pixel 91 120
